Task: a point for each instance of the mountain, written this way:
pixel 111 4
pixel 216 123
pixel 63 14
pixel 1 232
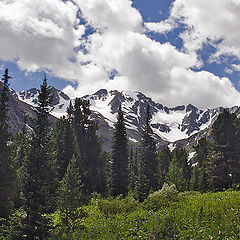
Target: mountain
pixel 180 126
pixel 59 104
pixel 20 112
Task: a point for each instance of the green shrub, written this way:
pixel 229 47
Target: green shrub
pixel 117 205
pixel 161 198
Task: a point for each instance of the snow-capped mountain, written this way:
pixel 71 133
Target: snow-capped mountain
pixel 170 125
pixel 59 104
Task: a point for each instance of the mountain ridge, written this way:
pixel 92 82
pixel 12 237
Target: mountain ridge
pixel 170 125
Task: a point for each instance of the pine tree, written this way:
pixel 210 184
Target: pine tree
pixel 120 157
pixel 148 159
pixel 63 145
pixel 164 159
pixel 19 153
pixel 6 170
pixel 179 170
pixel 70 192
pixel 223 165
pixel 194 182
pixel 39 184
pixel 142 185
pixel 92 162
pixel 199 179
pixel 133 169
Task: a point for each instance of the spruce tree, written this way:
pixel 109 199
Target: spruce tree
pixel 148 159
pixel 63 145
pixel 120 157
pixel 70 192
pixel 19 153
pixel 133 169
pixel 92 162
pixel 179 170
pixel 6 170
pixel 199 179
pixel 39 184
pixel 223 165
pixel 164 159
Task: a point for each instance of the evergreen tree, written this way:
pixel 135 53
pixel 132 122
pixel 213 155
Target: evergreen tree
pixel 164 159
pixel 142 185
pixel 179 170
pixel 39 184
pixel 194 182
pixel 70 192
pixel 148 172
pixel 223 166
pixel 63 145
pixel 6 170
pixel 199 179
pixel 19 153
pixel 120 157
pixel 92 162
pixel 133 169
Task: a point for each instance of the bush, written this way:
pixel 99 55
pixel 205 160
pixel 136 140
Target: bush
pixel 117 205
pixel 161 198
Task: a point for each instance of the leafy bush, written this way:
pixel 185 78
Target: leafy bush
pixel 117 205
pixel 161 198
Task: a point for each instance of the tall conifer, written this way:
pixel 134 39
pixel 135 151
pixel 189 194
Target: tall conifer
pixel 6 170
pixel 149 178
pixel 224 161
pixel 39 185
pixel 120 157
pixel 92 162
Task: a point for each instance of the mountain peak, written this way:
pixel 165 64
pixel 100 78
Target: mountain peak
pixel 169 124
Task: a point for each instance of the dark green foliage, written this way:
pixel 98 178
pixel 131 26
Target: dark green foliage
pixel 133 169
pixel 148 159
pixel 223 167
pixel 70 192
pixel 63 146
pixel 120 157
pixel 142 185
pixel 92 165
pixel 199 179
pixel 179 170
pixel 164 159
pixel 6 171
pixel 39 179
pixel 19 153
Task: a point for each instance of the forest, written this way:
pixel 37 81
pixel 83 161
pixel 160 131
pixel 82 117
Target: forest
pixel 56 182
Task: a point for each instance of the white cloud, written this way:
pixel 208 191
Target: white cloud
pixel 159 27
pixel 43 34
pixel 203 89
pixel 116 16
pixel 206 22
pixel 236 67
pixel 40 34
pixel 159 70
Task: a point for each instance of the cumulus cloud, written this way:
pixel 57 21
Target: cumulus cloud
pixel 216 22
pixel 40 35
pixel 159 27
pixel 45 34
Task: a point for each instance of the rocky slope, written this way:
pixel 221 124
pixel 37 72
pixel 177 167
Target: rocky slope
pixel 177 127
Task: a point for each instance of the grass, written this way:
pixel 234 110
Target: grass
pixel 190 215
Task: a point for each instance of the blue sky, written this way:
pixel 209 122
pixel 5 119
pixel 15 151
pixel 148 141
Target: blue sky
pixel 175 51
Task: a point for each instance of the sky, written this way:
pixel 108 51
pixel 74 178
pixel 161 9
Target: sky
pixel 175 51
